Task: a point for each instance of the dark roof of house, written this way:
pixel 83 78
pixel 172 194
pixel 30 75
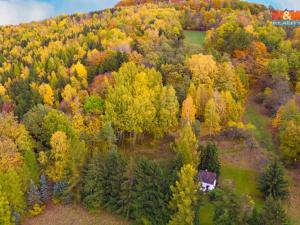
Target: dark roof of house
pixel 207 177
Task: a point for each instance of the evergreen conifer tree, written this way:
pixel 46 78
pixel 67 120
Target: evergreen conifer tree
pixel 127 190
pixel 34 196
pixel 209 159
pixel 272 181
pixel 44 189
pixel 115 168
pixel 93 182
pixel 149 200
pixel 273 213
pixel 255 218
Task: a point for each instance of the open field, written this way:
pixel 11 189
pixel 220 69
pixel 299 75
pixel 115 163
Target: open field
pixel 206 213
pixel 245 181
pixel 195 37
pixel 74 215
pixel 261 122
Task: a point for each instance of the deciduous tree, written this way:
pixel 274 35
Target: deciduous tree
pixel 203 68
pixel 5 213
pixel 184 196
pixel 60 148
pixel 46 92
pixel 188 110
pixel 211 117
pixel 186 145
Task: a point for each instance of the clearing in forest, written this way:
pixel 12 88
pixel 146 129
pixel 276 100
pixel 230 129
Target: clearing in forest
pixel 195 37
pixel 74 215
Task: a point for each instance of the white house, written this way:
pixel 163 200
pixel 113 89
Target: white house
pixel 208 180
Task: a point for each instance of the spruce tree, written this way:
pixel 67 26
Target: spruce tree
pixel 184 197
pixel 209 159
pixel 127 190
pixel 76 162
pixel 273 213
pixel 61 193
pixel 33 195
pixel 272 181
pixel 255 218
pixel 115 168
pixel 93 182
pixel 171 174
pixel 44 189
pixel 149 200
pixel 231 208
pixel 5 213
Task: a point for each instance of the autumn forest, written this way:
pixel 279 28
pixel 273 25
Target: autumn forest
pixel 121 110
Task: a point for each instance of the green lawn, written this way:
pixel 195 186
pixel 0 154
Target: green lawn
pixel 195 37
pixel 245 181
pixel 262 134
pixel 206 213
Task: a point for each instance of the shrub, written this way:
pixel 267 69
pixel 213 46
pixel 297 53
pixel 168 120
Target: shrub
pixel 36 210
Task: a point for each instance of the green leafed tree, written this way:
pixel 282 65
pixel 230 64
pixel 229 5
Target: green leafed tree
pixel 138 102
pixel 94 104
pixel 290 143
pixel 167 112
pixel 34 120
pixel 5 213
pixel 56 121
pixel 12 184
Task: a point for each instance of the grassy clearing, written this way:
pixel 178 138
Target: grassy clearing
pixel 262 133
pixel 206 213
pixel 195 37
pixel 245 181
pixel 74 215
pixel 160 150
